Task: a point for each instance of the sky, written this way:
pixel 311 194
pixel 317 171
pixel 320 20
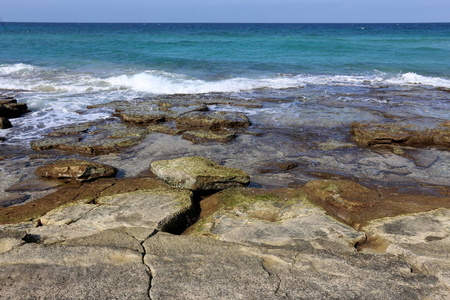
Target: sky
pixel 251 11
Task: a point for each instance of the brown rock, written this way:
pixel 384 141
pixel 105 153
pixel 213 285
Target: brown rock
pixel 82 192
pixel 142 117
pixel 13 110
pixel 74 169
pixel 370 134
pixel 213 121
pixel 5 123
pixel 202 136
pixel 34 185
pixel 12 199
pixel 357 205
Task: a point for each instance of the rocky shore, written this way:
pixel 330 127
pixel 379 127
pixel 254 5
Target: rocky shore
pixel 206 197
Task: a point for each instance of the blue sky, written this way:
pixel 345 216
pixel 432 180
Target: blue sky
pixel 266 11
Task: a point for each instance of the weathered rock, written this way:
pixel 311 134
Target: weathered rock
pixel 198 173
pixel 213 121
pixel 12 199
pixel 163 128
pixel 72 129
pixel 34 185
pixel 202 136
pixel 149 112
pixel 92 138
pixel 278 166
pixel 142 117
pixel 421 239
pixel 142 212
pixel 69 272
pixel 5 123
pixel 357 205
pixel 7 100
pixel 13 110
pixel 371 134
pixel 74 169
pixel 202 268
pixel 276 217
pixel 74 192
pixel 53 143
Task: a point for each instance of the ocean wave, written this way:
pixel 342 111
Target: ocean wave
pixel 40 79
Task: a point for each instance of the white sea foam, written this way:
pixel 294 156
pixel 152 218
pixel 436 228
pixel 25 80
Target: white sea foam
pixel 413 78
pixel 56 94
pixel 39 79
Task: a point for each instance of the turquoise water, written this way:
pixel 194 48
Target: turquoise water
pixel 65 67
pixel 217 51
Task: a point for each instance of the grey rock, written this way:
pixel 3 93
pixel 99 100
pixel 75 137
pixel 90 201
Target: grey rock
pixel 202 268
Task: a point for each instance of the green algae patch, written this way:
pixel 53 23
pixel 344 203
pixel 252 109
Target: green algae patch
pixel 250 203
pixel 198 173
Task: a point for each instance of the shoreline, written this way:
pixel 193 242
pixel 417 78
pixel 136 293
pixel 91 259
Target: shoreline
pixel 366 196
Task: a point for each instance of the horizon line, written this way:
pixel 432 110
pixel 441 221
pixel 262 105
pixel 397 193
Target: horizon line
pixel 95 22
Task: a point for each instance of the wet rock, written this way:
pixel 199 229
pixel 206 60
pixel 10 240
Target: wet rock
pixel 13 109
pixel 357 205
pixel 5 123
pixel 75 192
pixel 202 136
pixel 277 166
pixel 74 169
pixel 370 134
pixel 53 143
pixel 198 173
pixel 72 129
pixel 271 217
pixel 164 128
pixel 92 138
pixel 12 199
pixel 141 117
pixel 422 158
pixel 34 185
pixel 213 121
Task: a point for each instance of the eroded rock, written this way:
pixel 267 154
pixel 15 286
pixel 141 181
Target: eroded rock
pixel 74 169
pixel 201 136
pixel 198 173
pixel 370 134
pixel 213 121
pixel 422 239
pixel 92 138
pixel 5 123
pixel 276 217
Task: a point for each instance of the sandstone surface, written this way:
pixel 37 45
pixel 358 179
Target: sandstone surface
pixel 75 169
pixel 198 173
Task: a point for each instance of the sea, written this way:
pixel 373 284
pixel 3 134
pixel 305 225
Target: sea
pixel 61 68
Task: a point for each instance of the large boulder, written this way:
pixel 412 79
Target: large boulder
pixel 74 169
pixel 198 173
